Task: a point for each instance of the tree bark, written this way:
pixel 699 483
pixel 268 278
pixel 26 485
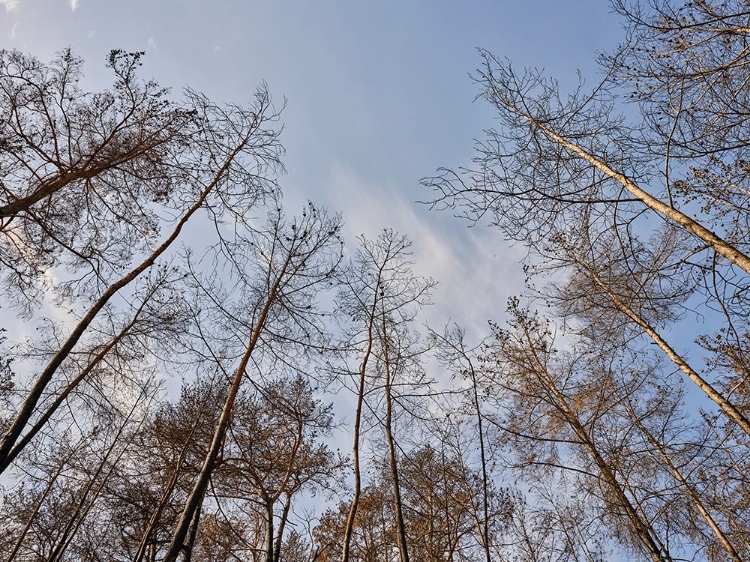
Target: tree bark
pixel 642 529
pixel 729 409
pixel 692 494
pixel 349 528
pixel 720 246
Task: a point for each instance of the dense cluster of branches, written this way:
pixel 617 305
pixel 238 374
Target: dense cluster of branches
pixel 146 241
pixel 632 198
pixel 174 337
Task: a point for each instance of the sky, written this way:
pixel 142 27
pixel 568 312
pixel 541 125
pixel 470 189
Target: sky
pixel 378 95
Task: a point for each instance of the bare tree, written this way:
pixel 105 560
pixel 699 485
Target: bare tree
pixel 144 163
pixel 380 295
pixel 548 527
pixel 274 452
pixel 438 506
pixel 277 274
pixel 632 198
pixel 454 353
pixel 67 481
pixel 561 173
pixel 542 383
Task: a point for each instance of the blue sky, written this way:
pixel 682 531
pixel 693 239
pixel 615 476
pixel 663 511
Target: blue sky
pixel 378 96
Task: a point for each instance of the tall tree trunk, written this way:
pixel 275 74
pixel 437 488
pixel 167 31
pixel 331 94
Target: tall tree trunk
pixel 349 528
pixel 643 530
pixel 719 245
pixel 194 524
pixel 269 531
pixel 72 385
pixel 282 525
pixel 484 530
pixel 32 398
pixel 689 490
pixel 163 500
pixel 731 411
pixel 397 504
pixel 199 489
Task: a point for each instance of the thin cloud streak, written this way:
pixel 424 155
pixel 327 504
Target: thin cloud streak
pixel 476 272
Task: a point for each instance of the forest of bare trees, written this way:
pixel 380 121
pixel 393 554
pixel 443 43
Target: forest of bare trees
pixel 191 371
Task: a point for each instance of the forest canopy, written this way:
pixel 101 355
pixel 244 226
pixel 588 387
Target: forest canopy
pixel 145 245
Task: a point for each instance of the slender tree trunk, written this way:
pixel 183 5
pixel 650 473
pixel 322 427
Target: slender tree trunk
pixel 32 516
pixel 400 527
pixel 349 528
pixel 643 530
pixel 194 524
pixel 269 531
pixel 720 246
pixel 85 503
pixel 282 525
pixel 729 409
pixel 72 385
pixel 201 484
pixel 163 500
pixel 32 398
pixel 485 527
pixel 381 273
pixel 692 494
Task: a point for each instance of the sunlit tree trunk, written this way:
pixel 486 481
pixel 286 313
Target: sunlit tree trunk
pixel 525 352
pixel 296 260
pixel 357 428
pixel 729 409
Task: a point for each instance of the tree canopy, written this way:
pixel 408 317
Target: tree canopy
pixel 190 370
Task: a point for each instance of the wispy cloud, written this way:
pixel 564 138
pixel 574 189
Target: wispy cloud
pixel 152 44
pixel 10 5
pixel 13 30
pixel 73 4
pixel 476 271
